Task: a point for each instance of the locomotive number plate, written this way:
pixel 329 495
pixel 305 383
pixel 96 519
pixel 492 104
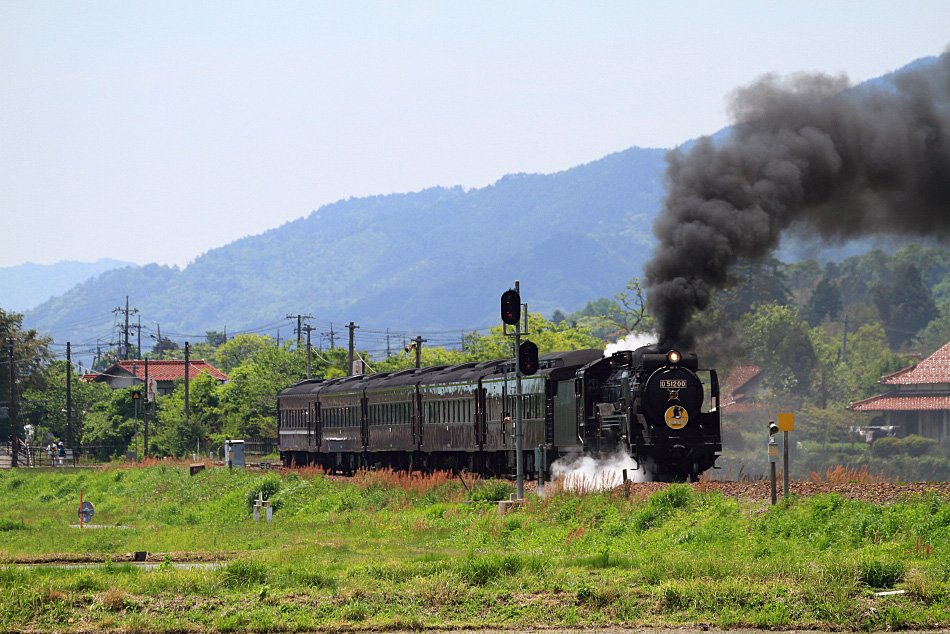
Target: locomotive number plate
pixel 666 384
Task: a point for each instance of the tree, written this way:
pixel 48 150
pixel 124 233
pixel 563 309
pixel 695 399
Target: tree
pixel 937 333
pixel 47 409
pixel 824 301
pixel 177 435
pixel 164 347
pixel 109 426
pixel 905 305
pixel 215 338
pixel 780 343
pixel 752 284
pixel 31 357
pixel 241 349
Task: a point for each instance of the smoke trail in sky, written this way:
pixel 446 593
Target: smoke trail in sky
pixel 807 155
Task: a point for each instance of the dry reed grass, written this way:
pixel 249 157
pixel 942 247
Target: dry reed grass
pixel 843 474
pixel 414 482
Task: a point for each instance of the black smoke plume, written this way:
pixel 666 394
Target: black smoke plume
pixel 808 155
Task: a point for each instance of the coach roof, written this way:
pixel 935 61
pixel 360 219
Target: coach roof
pixel 469 372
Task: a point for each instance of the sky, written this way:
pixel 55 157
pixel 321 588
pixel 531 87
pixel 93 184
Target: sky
pixel 156 131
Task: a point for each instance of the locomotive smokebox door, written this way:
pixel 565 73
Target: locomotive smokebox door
pixel 674 394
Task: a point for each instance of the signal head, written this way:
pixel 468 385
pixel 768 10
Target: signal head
pixel 510 307
pixel 528 358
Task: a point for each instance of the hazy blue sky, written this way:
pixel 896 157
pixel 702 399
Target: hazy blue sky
pixel 154 131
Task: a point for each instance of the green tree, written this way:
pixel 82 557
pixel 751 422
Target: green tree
pixel 178 436
pixel 164 347
pixel 868 359
pixel 823 425
pixel 215 338
pixel 937 333
pixel 47 409
pixel 780 342
pixel 242 348
pixel 31 357
pixel 548 337
pixel 824 301
pixel 108 428
pixel 905 305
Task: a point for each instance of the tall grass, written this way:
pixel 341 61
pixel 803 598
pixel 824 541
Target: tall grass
pixel 388 550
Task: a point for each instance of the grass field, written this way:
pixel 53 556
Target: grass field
pixel 387 551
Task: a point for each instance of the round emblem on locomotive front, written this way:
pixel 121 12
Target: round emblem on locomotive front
pixel 676 417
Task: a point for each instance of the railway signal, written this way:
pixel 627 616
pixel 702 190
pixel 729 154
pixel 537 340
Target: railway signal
pixel 510 307
pixel 528 358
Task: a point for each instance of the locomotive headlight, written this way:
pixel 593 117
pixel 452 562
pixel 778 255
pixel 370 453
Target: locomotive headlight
pixel 673 356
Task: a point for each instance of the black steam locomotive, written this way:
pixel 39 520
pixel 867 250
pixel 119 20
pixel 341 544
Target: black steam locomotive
pixel 657 407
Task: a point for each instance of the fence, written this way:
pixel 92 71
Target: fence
pixel 39 456
pixel 260 446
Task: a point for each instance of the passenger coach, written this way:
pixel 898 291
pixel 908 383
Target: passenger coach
pixel 439 417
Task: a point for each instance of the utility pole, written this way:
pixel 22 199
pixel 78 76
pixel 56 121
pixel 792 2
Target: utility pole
pixel 331 335
pixel 308 328
pixel 388 351
pixel 352 327
pixel 299 331
pixel 13 408
pixel 145 413
pixel 140 355
pixel 135 402
pixel 125 331
pixel 187 363
pixel 69 396
pixel 418 341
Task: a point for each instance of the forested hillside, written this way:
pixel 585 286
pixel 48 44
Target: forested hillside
pixel 426 260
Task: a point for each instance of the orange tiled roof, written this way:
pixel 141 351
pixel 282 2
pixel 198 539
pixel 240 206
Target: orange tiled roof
pixel 729 397
pixel 739 377
pixel 894 401
pixel 170 370
pixel 933 369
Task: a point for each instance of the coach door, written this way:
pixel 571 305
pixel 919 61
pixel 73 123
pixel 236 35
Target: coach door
pixel 316 423
pixel 481 415
pixel 417 425
pixel 364 421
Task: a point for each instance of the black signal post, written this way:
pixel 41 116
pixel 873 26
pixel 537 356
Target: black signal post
pixel 511 315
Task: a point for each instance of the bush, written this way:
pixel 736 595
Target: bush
pixel 269 486
pixel 492 491
pixel 886 447
pixel 916 445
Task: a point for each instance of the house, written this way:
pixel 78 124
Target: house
pixel 919 399
pixel 740 389
pixel 128 373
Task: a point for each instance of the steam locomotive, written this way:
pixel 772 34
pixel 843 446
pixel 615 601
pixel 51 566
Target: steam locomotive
pixel 657 407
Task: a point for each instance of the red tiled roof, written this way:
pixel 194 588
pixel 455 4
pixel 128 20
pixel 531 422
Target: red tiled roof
pixel 729 397
pixel 89 376
pixel 894 401
pixel 168 370
pixel 739 377
pixel 933 369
